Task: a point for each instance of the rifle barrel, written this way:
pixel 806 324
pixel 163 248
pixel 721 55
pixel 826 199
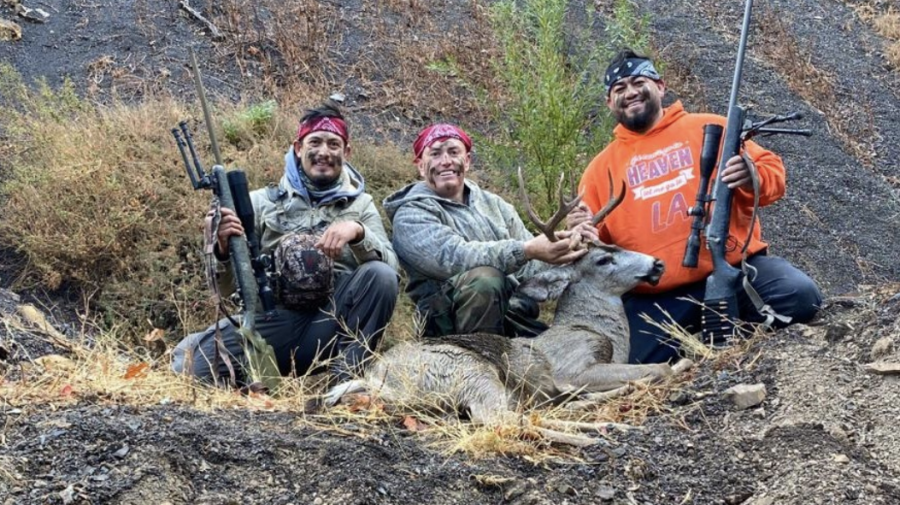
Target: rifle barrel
pixel 742 50
pixel 206 114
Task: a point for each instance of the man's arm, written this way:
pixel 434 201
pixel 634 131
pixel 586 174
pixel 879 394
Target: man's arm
pixel 439 252
pixel 374 245
pixel 771 176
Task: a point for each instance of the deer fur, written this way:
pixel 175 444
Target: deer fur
pixel 490 376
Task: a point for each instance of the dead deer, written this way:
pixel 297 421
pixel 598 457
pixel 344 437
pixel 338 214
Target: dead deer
pixel 585 350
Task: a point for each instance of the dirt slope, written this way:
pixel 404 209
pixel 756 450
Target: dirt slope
pixel 825 433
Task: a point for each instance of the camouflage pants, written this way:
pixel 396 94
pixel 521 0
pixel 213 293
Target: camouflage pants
pixel 481 300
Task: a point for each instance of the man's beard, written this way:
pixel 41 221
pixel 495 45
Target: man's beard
pixel 334 161
pixel 640 122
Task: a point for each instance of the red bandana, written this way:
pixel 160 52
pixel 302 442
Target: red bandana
pixel 433 133
pixel 323 124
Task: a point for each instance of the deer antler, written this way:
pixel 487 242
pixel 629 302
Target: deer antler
pixel 613 202
pixel 565 206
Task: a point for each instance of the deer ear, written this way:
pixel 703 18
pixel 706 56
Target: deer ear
pixel 549 284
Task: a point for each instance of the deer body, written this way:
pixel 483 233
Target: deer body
pixel 586 349
pixel 490 376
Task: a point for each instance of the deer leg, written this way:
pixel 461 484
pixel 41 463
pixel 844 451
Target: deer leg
pixel 606 376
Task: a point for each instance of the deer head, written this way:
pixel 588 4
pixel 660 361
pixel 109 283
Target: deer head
pixel 605 269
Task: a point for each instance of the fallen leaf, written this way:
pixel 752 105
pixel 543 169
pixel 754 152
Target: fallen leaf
pixel 137 371
pixel 413 424
pixel 155 335
pixel 66 391
pixel 357 402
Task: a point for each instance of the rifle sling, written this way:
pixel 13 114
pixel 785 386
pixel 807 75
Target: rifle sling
pixel 209 235
pixel 749 270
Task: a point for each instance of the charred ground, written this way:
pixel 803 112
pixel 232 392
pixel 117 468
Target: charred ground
pixel 825 433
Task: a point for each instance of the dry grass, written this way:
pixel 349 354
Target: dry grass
pixel 96 197
pixel 886 21
pixel 98 369
pixel 888 25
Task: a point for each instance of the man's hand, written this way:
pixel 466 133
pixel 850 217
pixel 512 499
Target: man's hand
pixel 229 225
pixel 338 235
pixel 737 174
pixel 579 215
pixel 555 253
pixel 587 232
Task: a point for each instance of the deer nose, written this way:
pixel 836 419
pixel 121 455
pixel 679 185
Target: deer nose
pixel 658 267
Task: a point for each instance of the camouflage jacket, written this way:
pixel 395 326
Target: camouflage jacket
pixel 280 210
pixel 437 238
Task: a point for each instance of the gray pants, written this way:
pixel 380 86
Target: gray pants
pixel 785 288
pixel 364 300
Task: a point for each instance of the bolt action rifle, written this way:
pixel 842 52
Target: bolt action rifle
pixel 720 304
pixel 230 190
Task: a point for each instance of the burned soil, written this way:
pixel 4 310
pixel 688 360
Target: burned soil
pixel 825 432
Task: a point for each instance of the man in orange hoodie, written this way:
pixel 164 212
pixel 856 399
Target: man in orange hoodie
pixel 656 153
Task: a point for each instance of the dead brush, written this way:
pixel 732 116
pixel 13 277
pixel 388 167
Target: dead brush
pixel 95 197
pixel 99 369
pixel 886 22
pixel 311 47
pixel 888 26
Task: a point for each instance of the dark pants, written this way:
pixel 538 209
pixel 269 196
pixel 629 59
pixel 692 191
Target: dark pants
pixel 786 289
pixel 363 300
pixel 481 300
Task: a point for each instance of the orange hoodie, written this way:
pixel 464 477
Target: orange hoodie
pixel 661 170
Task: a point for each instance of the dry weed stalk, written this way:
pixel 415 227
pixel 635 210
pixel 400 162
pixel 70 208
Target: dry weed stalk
pixel 104 372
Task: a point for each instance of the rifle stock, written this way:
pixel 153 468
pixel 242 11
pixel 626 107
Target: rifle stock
pixel 720 302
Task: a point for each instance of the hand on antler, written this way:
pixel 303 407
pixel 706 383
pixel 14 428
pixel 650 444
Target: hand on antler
pixel 579 215
pixel 558 252
pixel 586 233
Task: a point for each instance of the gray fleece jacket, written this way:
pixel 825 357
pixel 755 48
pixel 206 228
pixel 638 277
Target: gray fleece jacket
pixel 436 238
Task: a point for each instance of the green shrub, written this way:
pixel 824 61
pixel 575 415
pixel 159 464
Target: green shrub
pixel 550 64
pixel 257 120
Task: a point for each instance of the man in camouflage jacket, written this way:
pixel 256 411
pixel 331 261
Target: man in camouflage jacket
pixel 464 248
pixel 319 196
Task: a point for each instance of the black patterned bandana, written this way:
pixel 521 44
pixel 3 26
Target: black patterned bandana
pixel 628 68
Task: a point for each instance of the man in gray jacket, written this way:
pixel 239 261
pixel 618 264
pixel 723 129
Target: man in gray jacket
pixel 464 248
pixel 348 297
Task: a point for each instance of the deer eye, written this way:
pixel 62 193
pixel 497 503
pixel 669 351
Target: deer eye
pixel 604 260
